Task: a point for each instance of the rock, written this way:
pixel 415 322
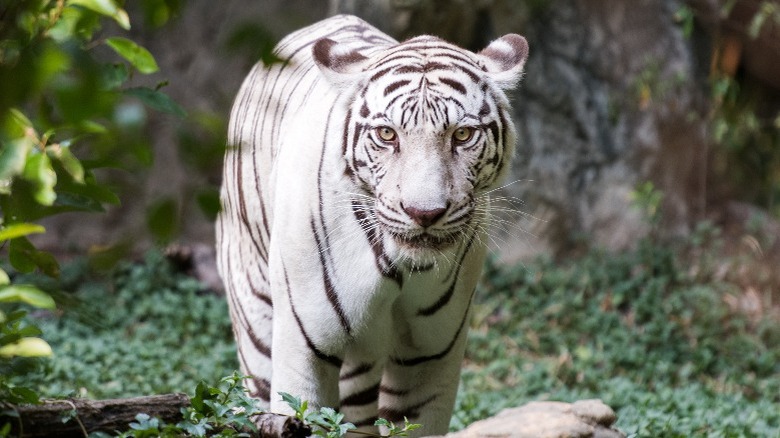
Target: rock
pixel 584 418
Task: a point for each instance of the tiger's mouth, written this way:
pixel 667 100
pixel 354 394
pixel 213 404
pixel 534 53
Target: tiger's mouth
pixel 425 240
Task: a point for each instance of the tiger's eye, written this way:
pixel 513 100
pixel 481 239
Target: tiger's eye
pixel 385 133
pixel 463 134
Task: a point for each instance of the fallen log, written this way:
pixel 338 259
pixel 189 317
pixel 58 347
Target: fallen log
pixel 80 417
pixel 581 419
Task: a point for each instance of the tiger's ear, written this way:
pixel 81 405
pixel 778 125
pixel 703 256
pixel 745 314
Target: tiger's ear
pixel 341 66
pixel 504 59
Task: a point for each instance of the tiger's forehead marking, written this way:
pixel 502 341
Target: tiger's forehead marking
pixel 425 54
pixel 425 81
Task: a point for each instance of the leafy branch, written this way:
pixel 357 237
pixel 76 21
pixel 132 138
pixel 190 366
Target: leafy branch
pixel 59 122
pixel 329 424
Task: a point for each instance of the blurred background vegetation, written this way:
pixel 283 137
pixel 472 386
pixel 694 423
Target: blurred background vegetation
pixel 640 266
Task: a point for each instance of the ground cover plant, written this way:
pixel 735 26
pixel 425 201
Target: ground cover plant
pixel 638 330
pixel 146 330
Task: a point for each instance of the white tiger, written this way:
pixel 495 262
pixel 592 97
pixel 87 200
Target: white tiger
pixel 354 216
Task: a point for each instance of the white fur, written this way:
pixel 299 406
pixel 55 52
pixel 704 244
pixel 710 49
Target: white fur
pixel 286 157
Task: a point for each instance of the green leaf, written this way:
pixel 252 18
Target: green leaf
pixel 92 127
pixel 105 7
pixel 115 75
pixel 157 100
pixel 17 124
pixel 20 394
pixel 296 405
pixel 25 258
pixel 39 172
pixel 18 230
pixel 70 163
pixel 27 347
pixel 4 279
pixel 75 202
pixel 139 57
pixel 383 422
pixel 96 192
pixel 14 156
pixel 25 293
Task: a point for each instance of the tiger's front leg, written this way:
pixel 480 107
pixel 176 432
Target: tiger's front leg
pixel 306 356
pixel 323 308
pixel 431 322
pixel 423 389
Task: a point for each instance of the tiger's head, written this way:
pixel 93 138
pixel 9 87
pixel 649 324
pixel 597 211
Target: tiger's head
pixel 427 132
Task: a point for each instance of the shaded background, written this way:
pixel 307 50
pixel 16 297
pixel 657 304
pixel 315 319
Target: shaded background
pixel 635 118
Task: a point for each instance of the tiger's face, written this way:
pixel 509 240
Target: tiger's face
pixel 428 133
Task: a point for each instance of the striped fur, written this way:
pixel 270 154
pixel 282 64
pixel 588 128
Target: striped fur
pixel 353 226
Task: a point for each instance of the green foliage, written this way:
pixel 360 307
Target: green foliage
pixel 65 106
pixel 63 115
pixel 326 421
pixel 648 200
pixel 223 410
pixel 18 337
pixel 155 331
pixel 636 330
pixel 299 407
pixel 227 407
pixel 393 430
pixel 329 423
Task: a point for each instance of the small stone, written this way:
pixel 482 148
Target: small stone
pixel 546 419
pixel 594 412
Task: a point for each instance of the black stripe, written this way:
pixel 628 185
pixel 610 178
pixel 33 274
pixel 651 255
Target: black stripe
pixel 455 85
pixel 445 298
pixel 441 302
pixel 263 391
pixel 323 247
pixel 422 359
pixel 263 387
pixel 413 411
pixel 367 396
pixel 244 216
pixel 258 343
pixel 333 360
pixel 330 291
pixel 380 73
pixel 392 391
pixel 394 86
pixel 345 132
pixel 500 144
pixel 374 239
pixel 243 321
pixel 359 370
pixel 257 292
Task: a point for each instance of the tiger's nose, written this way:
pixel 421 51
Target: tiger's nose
pixel 424 217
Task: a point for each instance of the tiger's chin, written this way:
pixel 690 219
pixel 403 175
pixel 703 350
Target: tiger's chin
pixel 422 251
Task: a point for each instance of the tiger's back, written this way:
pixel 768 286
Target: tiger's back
pixel 354 212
